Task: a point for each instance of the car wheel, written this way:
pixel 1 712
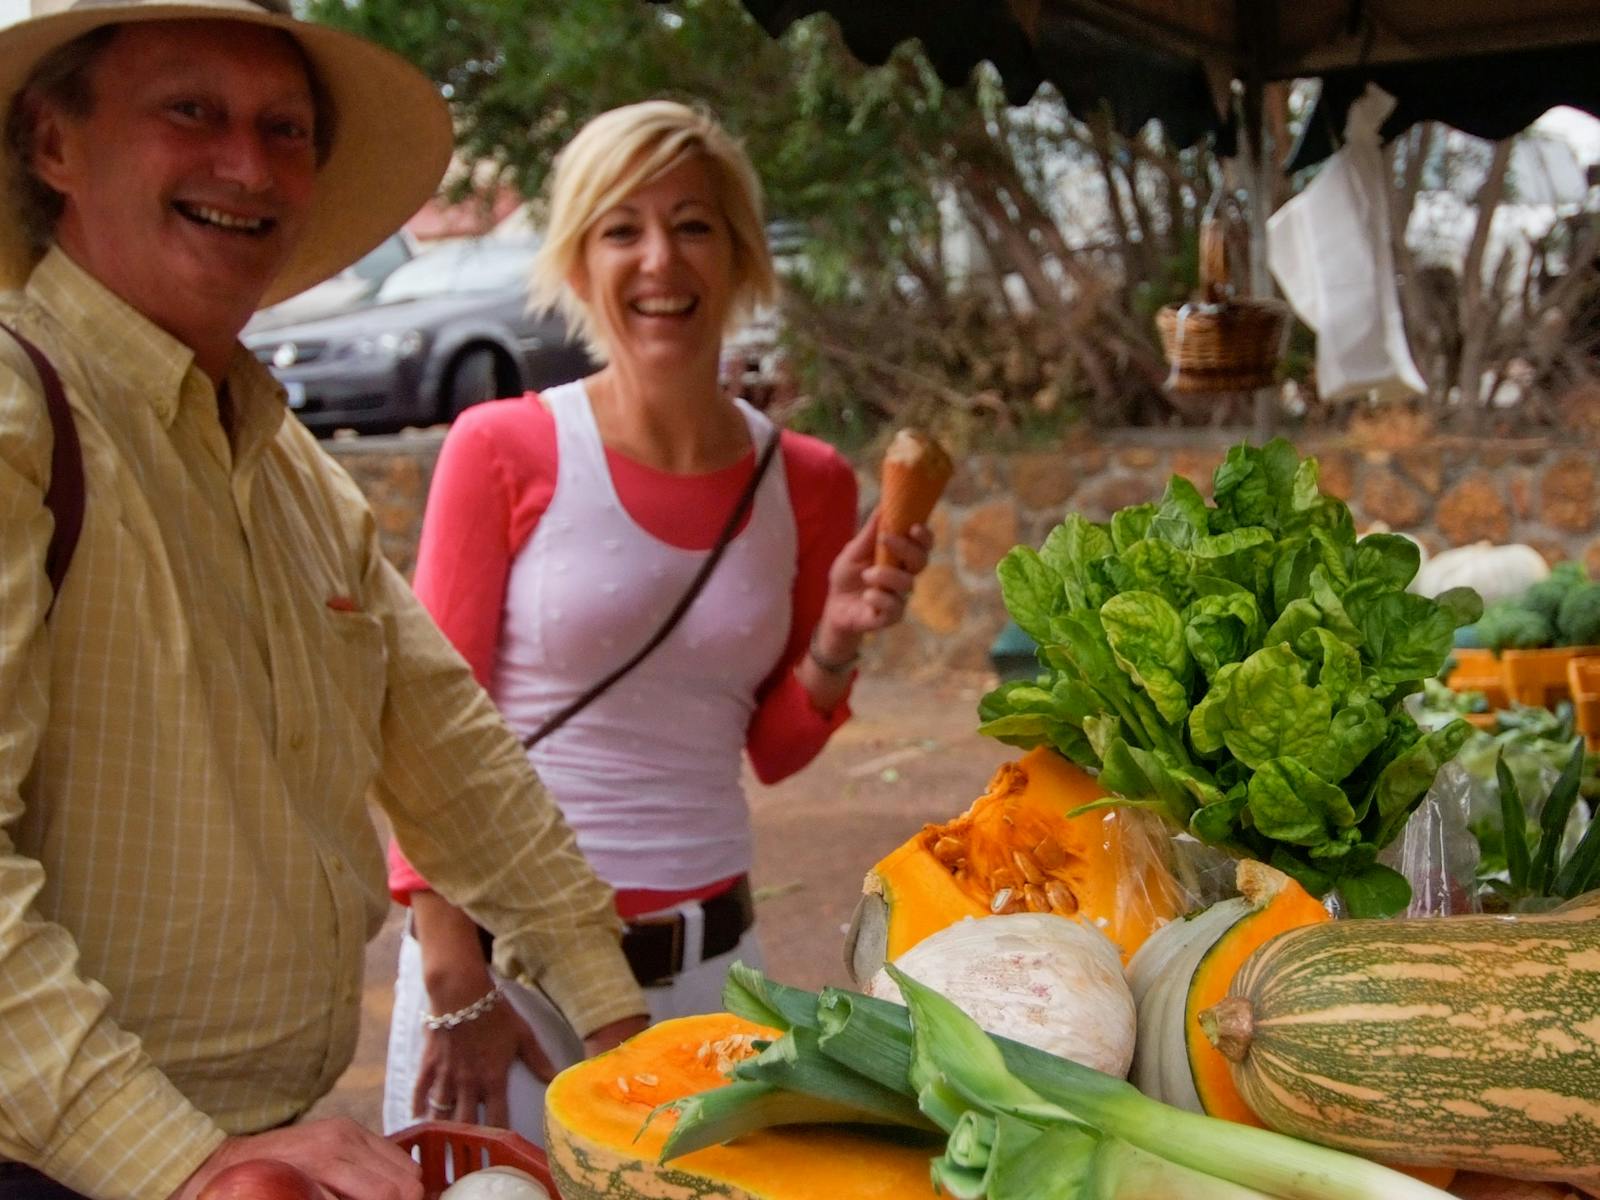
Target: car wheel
pixel 473 379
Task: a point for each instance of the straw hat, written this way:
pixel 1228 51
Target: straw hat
pixel 391 144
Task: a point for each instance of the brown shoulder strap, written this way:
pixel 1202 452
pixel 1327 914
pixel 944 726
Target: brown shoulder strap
pixel 65 495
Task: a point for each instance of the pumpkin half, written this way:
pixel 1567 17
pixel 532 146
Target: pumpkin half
pixel 594 1112
pixel 1016 850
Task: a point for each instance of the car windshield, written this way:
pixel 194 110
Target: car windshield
pixel 481 265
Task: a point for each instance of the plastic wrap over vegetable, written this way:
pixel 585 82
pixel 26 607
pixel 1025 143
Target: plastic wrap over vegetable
pixel 1436 851
pixel 1240 667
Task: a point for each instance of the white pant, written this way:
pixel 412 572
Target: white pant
pixel 698 989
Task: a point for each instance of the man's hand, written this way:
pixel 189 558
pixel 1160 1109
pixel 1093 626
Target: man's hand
pixel 608 1037
pixel 345 1159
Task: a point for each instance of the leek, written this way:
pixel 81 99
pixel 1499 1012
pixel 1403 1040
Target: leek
pixel 735 1109
pixel 872 1037
pixel 795 1063
pixel 1022 1124
pixel 748 993
pixel 1122 1171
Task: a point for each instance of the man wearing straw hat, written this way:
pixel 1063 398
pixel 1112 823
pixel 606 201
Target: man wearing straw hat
pixel 191 721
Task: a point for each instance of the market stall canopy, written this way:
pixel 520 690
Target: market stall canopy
pixel 1489 67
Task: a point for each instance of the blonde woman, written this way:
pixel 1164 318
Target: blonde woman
pixel 561 529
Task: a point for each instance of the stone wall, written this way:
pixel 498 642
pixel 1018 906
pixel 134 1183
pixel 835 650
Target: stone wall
pixel 1443 491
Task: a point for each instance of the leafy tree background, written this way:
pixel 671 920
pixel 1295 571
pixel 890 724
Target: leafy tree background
pixel 1052 319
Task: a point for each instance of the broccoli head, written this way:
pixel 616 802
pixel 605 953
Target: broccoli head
pixel 1578 621
pixel 1507 625
pixel 1545 597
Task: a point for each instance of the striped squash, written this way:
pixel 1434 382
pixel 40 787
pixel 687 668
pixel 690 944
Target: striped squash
pixel 1470 1042
pixel 595 1109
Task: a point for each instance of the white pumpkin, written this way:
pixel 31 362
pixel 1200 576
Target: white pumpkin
pixel 496 1183
pixel 1037 978
pixel 1159 976
pixel 1495 572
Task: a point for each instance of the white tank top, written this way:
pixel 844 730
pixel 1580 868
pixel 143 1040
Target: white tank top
pixel 648 775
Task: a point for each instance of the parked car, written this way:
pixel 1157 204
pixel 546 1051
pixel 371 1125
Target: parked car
pixel 446 330
pixel 351 287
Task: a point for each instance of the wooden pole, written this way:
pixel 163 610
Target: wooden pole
pixel 1257 21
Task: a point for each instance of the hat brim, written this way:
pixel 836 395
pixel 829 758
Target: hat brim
pixel 392 142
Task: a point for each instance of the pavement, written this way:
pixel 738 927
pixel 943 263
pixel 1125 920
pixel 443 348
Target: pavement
pixel 908 756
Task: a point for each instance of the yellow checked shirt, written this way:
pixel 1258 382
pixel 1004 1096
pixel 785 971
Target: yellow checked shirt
pixel 188 870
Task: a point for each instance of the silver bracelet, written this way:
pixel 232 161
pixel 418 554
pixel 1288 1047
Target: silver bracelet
pixel 461 1016
pixel 832 668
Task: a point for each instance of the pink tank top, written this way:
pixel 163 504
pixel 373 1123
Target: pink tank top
pixel 648 775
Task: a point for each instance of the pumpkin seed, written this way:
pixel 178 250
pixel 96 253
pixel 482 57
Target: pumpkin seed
pixel 1030 869
pixel 1036 899
pixel 1062 898
pixel 1049 854
pixel 1000 900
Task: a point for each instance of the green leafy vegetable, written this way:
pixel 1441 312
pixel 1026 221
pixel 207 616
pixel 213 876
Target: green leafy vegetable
pixel 1562 609
pixel 1241 666
pixel 1534 867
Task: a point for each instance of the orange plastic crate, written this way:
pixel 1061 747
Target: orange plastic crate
pixel 1479 671
pixel 1583 676
pixel 1539 677
pixel 448 1150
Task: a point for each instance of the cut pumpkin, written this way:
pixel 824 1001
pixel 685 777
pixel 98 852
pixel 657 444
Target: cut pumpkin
pixel 1016 850
pixel 1277 904
pixel 594 1112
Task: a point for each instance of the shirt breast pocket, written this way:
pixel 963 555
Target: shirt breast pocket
pixel 354 665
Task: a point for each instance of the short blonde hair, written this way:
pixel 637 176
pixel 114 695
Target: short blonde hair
pixel 613 156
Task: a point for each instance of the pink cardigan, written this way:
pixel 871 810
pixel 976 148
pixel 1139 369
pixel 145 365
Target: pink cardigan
pixel 495 477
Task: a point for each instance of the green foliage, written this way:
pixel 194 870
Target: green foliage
pixel 1507 625
pixel 1578 619
pixel 1535 865
pixel 1545 597
pixel 1563 609
pixel 873 164
pixel 1241 666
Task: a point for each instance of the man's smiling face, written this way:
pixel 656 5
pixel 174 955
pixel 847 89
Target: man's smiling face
pixel 187 186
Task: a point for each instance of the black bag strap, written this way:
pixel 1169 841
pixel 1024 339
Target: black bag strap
pixel 740 508
pixel 65 495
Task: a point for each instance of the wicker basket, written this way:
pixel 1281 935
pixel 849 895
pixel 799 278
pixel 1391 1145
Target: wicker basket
pixel 448 1150
pixel 1220 343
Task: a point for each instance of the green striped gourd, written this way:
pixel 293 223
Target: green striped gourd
pixel 1471 1042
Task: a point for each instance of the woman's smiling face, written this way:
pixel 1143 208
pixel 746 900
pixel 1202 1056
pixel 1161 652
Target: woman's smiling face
pixel 657 270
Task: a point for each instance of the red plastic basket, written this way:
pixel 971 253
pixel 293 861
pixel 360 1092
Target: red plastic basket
pixel 448 1150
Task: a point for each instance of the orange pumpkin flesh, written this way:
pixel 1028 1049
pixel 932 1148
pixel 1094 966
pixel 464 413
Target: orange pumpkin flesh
pixel 1280 904
pixel 1016 850
pixel 594 1112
